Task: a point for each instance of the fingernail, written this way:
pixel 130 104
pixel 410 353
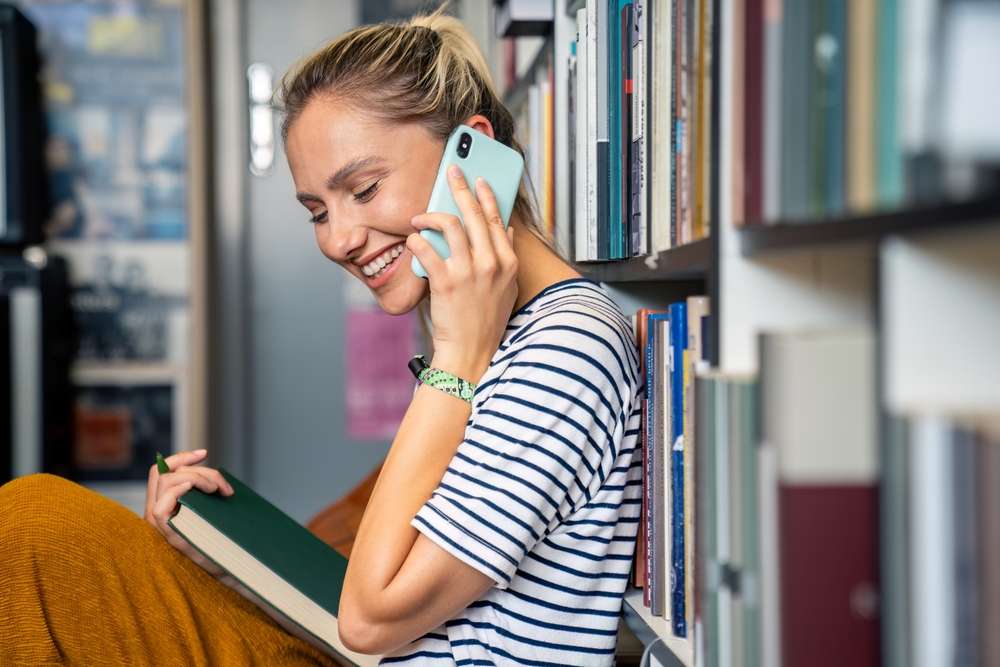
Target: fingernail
pixel 454 171
pixel 200 451
pixel 480 180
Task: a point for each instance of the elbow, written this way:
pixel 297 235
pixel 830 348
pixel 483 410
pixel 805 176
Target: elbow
pixel 358 631
pixel 357 634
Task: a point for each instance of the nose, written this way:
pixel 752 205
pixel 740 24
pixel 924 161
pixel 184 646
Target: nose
pixel 341 241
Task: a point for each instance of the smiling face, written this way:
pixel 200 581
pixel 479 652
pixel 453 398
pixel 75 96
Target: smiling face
pixel 362 181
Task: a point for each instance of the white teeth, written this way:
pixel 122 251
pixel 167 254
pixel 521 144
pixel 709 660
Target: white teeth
pixel 377 265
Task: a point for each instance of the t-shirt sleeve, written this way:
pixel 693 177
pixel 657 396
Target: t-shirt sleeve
pixel 539 442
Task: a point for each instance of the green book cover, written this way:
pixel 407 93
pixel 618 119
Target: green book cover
pixel 275 539
pixel 278 542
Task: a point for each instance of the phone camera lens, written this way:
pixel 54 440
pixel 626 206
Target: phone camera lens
pixel 464 144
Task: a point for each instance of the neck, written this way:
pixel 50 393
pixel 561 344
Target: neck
pixel 538 266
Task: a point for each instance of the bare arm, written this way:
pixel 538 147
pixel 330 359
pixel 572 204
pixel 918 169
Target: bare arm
pixel 399 584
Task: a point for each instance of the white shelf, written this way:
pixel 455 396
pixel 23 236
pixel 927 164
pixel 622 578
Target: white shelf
pixel 648 627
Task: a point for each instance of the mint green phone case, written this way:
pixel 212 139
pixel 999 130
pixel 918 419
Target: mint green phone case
pixel 500 165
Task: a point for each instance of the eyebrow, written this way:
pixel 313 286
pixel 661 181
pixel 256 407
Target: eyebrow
pixel 341 175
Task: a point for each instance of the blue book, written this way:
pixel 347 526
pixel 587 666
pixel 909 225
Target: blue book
pixel 678 342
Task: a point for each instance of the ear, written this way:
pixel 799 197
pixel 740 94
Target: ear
pixel 480 123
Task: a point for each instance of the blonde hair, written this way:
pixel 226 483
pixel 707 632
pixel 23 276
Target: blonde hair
pixel 427 70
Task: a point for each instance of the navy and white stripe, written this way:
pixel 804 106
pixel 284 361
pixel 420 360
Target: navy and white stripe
pixel 544 492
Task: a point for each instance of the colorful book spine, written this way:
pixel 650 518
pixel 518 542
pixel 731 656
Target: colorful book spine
pixel 678 338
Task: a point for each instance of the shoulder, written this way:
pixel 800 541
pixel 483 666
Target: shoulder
pixel 575 341
pixel 578 320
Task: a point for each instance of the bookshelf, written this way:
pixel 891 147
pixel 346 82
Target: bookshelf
pixel 785 235
pixel 921 277
pixel 686 262
pixel 670 651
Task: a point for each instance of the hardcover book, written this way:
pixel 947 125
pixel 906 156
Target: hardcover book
pixel 280 561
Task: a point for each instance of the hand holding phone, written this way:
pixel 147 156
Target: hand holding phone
pixel 478 156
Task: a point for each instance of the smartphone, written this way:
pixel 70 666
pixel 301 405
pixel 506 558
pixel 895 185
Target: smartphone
pixel 477 155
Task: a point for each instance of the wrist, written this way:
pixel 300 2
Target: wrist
pixel 466 367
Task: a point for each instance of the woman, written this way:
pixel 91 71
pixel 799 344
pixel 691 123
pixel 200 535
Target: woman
pixel 501 530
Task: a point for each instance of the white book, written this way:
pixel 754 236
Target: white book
pixel 593 92
pixel 660 78
pixel 581 104
pixel 639 95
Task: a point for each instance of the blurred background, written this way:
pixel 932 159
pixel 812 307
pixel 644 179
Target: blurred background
pixel 200 313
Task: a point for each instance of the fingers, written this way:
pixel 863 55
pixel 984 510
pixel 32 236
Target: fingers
pixel 165 503
pixel 172 461
pixel 454 234
pixel 204 479
pixel 471 209
pixel 185 458
pixel 423 251
pixel 502 239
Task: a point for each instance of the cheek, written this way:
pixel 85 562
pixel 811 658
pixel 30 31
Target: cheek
pixel 395 211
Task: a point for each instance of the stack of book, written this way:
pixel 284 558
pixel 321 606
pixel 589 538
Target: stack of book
pixel 787 505
pixel 940 537
pixel 638 145
pixel 839 109
pixel 673 343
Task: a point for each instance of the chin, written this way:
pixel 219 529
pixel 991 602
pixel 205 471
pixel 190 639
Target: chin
pixel 403 298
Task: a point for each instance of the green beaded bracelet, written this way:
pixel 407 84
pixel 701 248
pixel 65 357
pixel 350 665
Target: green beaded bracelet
pixel 443 380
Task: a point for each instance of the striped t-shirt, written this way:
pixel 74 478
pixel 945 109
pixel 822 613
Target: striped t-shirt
pixel 544 492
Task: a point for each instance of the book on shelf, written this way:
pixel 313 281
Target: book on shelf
pixel 678 343
pixel 280 561
pixel 940 533
pixel 638 127
pixel 841 110
pixel 672 352
pixel 818 419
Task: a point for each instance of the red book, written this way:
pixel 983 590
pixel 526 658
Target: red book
pixel 829 575
pixel 753 116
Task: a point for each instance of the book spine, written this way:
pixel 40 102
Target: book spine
pixel 602 112
pixel 772 109
pixel 860 195
pixel 889 162
pixel 650 488
pixel 613 96
pixel 641 557
pixel 678 341
pixel 662 541
pixel 794 111
pixel 625 123
pixel 578 99
pixel 638 225
pixel 836 109
pixel 754 97
pixel 674 118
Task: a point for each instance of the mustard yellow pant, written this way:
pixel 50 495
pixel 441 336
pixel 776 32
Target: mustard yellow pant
pixel 85 581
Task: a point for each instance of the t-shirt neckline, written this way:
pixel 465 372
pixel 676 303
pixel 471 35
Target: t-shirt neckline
pixel 548 288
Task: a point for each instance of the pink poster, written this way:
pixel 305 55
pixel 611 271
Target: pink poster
pixel 379 384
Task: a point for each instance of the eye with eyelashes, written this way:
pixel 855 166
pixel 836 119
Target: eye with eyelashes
pixel 363 197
